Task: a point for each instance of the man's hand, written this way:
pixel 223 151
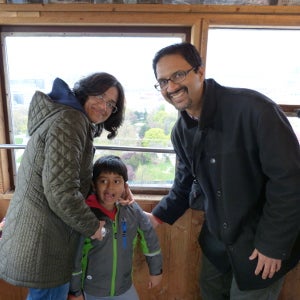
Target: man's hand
pixel 153 220
pixel 268 266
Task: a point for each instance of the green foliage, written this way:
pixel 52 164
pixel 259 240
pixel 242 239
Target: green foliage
pixel 156 172
pixel 20 121
pixel 19 140
pixel 135 159
pixel 143 130
pixel 155 137
pixel 162 118
pixel 141 116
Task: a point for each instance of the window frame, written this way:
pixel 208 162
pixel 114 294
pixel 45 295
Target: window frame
pixel 197 18
pixel 130 31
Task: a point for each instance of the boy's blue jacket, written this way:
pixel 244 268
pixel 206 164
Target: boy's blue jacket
pixel 104 268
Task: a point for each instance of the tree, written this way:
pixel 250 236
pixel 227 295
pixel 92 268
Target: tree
pixel 20 121
pixel 155 137
pixel 162 119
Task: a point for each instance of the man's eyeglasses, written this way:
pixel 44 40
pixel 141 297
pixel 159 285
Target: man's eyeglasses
pixel 176 77
pixel 110 104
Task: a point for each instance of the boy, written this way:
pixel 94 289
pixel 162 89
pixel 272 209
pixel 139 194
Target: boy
pixel 103 269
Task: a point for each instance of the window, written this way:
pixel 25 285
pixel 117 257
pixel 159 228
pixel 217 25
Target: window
pixel 35 59
pixel 266 60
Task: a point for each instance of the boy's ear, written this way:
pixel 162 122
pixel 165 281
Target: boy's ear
pixel 93 187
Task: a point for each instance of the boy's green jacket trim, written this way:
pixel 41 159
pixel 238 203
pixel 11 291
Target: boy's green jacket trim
pixel 107 264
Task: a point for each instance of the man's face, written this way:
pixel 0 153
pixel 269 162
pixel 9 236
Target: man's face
pixel 186 94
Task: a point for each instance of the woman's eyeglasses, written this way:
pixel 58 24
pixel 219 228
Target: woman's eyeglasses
pixel 110 104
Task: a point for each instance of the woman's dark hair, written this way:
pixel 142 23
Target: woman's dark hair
pixel 186 50
pixel 97 84
pixel 109 163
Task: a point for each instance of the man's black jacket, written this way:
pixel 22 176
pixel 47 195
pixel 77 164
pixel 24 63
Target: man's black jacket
pixel 243 158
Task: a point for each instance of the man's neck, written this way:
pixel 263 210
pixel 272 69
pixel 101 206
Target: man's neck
pixel 193 117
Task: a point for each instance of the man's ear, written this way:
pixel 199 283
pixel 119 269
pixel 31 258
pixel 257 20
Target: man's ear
pixel 200 70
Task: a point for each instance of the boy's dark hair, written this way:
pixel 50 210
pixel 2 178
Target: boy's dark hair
pixel 109 163
pixel 186 50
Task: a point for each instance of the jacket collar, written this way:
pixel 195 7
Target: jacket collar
pixel 93 202
pixel 209 104
pixel 209 107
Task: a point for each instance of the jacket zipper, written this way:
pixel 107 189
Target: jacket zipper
pixel 115 255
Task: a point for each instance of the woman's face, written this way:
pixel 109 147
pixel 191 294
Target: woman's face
pixel 99 108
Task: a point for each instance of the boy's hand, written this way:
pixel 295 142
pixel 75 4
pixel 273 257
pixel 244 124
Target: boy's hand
pixel 154 281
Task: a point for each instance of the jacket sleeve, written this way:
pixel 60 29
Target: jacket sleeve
pixel 149 242
pixel 280 159
pixel 176 202
pixel 76 280
pixel 65 162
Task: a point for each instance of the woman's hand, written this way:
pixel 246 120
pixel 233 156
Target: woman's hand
pixel 98 234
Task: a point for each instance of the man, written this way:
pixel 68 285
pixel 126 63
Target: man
pixel 239 161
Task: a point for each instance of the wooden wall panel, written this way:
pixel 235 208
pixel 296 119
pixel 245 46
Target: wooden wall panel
pixel 181 258
pixel 10 292
pixel 291 286
pixel 3 207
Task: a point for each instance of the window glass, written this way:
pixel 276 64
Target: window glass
pixel 34 60
pixel 266 60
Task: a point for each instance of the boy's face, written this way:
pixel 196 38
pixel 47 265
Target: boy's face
pixel 109 188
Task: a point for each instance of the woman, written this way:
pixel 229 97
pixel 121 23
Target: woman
pixel 48 213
